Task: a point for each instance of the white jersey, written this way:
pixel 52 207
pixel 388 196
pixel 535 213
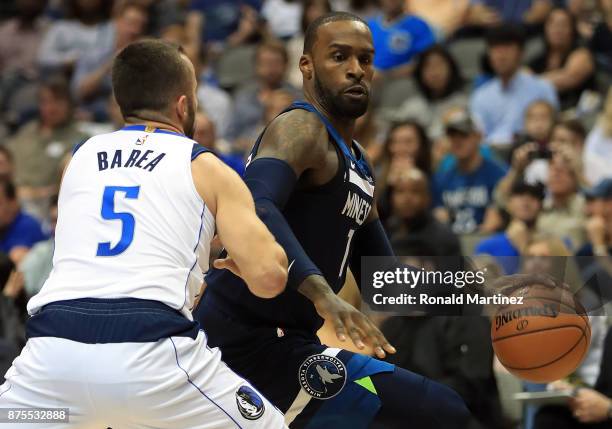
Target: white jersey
pixel 131 223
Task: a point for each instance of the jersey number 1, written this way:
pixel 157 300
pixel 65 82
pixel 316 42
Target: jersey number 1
pixel 127 220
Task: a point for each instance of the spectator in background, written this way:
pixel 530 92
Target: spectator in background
pixel 591 408
pixel 500 103
pixel 524 207
pixel 531 151
pixel 598 148
pixel 569 133
pixel 249 101
pixel 205 134
pixel 464 192
pixel 412 225
pixel 39 146
pixel 20 231
pixel 91 82
pixel 223 22
pixel 601 42
pixel 10 325
pixel 214 101
pixel 398 38
pixel 529 12
pixel 312 10
pixel 37 264
pixel 563 213
pixel 564 63
pixel 406 147
pixel 7 164
pixel 20 38
pixel 599 225
pixel 440 87
pixel 273 105
pixel 85 26
pixel 283 17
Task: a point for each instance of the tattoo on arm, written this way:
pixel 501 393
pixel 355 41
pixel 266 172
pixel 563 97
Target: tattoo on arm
pixel 297 137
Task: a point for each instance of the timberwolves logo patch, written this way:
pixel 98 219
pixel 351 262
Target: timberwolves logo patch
pixel 250 404
pixel 322 376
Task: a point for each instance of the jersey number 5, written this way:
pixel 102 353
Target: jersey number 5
pixel 127 220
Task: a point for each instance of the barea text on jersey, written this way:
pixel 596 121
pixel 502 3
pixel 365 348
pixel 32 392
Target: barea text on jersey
pixel 146 160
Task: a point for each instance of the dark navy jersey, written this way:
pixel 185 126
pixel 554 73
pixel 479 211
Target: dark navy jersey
pixel 324 220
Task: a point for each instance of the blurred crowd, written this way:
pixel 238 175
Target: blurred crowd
pixel 490 130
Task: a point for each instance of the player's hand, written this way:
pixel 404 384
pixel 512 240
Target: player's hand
pixel 346 319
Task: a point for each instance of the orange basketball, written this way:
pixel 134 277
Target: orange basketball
pixel 543 339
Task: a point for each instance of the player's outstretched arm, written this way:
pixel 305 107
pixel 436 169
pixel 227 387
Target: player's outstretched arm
pixel 253 253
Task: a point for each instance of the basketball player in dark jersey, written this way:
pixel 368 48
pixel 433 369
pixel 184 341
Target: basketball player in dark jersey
pixel 314 189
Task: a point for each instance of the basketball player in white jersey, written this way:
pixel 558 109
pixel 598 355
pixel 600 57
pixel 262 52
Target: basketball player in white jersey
pixel 111 337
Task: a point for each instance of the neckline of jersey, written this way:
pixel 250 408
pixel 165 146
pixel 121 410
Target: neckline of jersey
pixel 149 129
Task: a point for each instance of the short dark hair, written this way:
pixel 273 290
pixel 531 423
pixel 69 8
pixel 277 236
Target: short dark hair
pixel 311 32
pixel 8 188
pixel 147 75
pixel 58 86
pixel 505 34
pixel 455 80
pixel 520 187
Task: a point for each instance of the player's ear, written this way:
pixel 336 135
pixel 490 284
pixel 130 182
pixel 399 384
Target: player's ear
pixel 306 66
pixel 182 109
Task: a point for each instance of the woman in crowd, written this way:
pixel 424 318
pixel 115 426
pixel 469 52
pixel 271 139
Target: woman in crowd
pixel 566 64
pixel 440 86
pixel 407 146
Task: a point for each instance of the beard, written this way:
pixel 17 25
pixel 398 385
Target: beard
pixel 189 123
pixel 337 104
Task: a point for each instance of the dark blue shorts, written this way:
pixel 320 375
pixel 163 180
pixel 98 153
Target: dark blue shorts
pixel 314 385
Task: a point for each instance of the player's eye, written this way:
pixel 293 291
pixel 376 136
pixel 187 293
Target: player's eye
pixel 338 56
pixel 366 60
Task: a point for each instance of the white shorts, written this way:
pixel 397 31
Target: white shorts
pixel 173 383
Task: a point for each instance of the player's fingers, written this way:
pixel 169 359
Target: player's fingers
pixel 354 332
pixel 339 328
pixel 381 344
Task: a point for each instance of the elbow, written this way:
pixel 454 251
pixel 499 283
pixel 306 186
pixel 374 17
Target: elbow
pixel 272 277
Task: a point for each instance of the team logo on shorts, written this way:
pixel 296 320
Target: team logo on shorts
pixel 250 404
pixel 322 376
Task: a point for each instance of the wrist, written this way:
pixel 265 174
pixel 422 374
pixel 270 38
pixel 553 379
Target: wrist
pixel 315 288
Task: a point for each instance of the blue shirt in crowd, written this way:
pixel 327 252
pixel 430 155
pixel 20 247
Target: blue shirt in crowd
pixel 501 110
pixel 24 231
pixel 398 42
pixel 513 10
pixel 500 247
pixel 467 196
pixel 222 16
